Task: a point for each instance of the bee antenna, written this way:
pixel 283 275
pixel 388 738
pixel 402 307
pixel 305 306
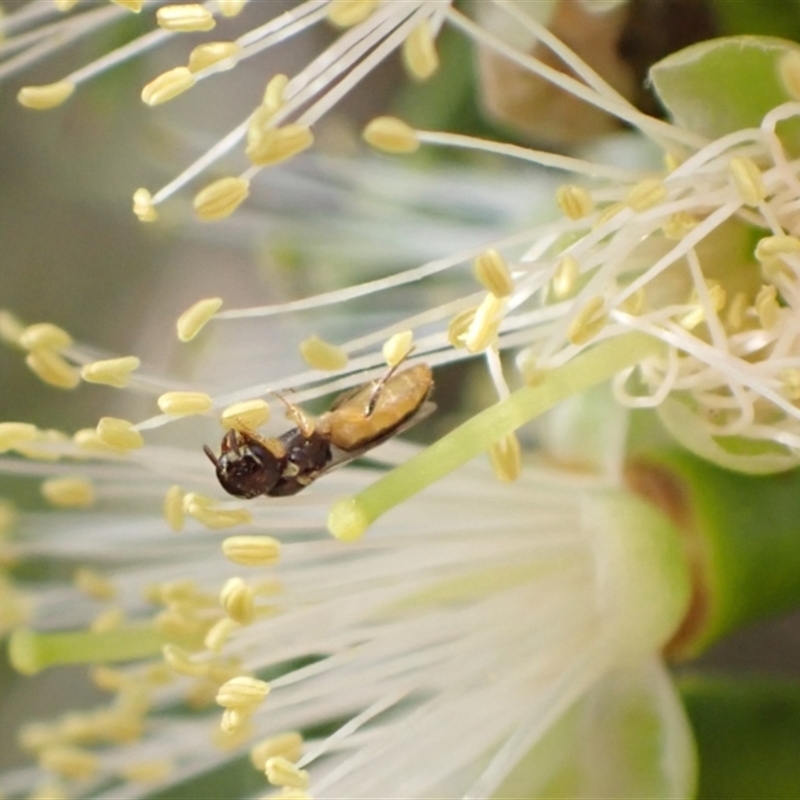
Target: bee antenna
pixel 210 453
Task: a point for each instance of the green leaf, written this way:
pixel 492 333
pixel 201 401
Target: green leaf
pixel 724 85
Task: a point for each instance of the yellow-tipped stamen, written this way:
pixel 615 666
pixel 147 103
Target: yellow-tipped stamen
pixel 397 348
pixel 45 336
pixel 111 372
pixel 183 404
pixel 279 144
pixel 143 206
pixel 243 694
pixel 693 318
pixel 221 54
pixel 319 354
pixel 173 508
pixel 634 304
pixel 11 329
pixel 47 96
pixel 233 720
pixel 678 225
pixel 237 599
pixel 391 135
pixel 748 180
pixel 231 8
pixel 346 13
pixel 185 18
pixel 565 278
pixel 419 52
pixel 65 5
pixel 202 509
pixel 483 329
pixel 134 6
pixel 252 551
pixel 88 439
pixel 770 247
pixel 790 378
pixel 220 198
pixel 588 322
pixel 38 449
pixel 646 194
pixel 108 679
pixel 53 369
pixel 13 434
pixel 735 315
pixel 69 762
pixel 506 458
pixel 219 633
pixel 93 584
pixel 192 321
pixel 282 772
pixel 249 415
pixel 789 71
pixel 119 433
pixel 287 745
pixel 274 93
pixel 609 212
pixel 181 662
pixel 492 271
pixel 575 202
pixel 767 307
pixel 167 86
pixel 109 620
pixel 68 492
pixel 152 771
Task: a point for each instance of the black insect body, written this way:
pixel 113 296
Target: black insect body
pixel 250 465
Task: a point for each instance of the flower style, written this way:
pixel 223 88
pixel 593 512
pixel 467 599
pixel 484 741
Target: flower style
pixel 454 650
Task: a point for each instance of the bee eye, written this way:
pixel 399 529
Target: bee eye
pixel 248 473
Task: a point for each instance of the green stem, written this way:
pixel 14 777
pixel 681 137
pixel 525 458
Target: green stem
pixel 32 651
pixel 349 518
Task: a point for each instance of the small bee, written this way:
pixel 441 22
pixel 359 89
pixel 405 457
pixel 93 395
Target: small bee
pixel 250 465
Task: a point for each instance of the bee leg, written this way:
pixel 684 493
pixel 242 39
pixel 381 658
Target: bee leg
pixel 305 422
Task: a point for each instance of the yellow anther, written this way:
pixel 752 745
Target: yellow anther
pixel 774 246
pixel 223 54
pixel 671 162
pixel 274 93
pixel 108 679
pixel 182 404
pixel 119 433
pixel 287 745
pixel 634 303
pixel 231 8
pixel 44 336
pixel 790 378
pixel 252 551
pixel 181 662
pixel 735 316
pixel 678 225
pixel 588 322
pixel 43 97
pixel 459 325
pixel 173 508
pixel 718 298
pixel 69 762
pixel 242 693
pixel 214 518
pixel 483 329
pixel 65 5
pixel 565 278
pixel 767 307
pixel 281 772
pixel 185 18
pixel 191 322
pixel 646 194
pixel 238 601
pixel 233 720
pixel 346 13
pixel 11 329
pixel 219 633
pixel 575 202
pixel 319 354
pixel 93 584
pixel 419 52
pixel 135 6
pixel 506 458
pixel 608 213
pixel 789 71
pixel 111 372
pixel 109 620
pixel 396 348
pixel 153 771
pixel 249 415
pixel 68 492
pixel 530 368
pixel 747 177
pixel 492 271
pixel 220 198
pixel 53 369
pixel 13 434
pixel 275 145
pixel 39 449
pixel 143 206
pixel 167 86
pixel 717 295
pixel 391 135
